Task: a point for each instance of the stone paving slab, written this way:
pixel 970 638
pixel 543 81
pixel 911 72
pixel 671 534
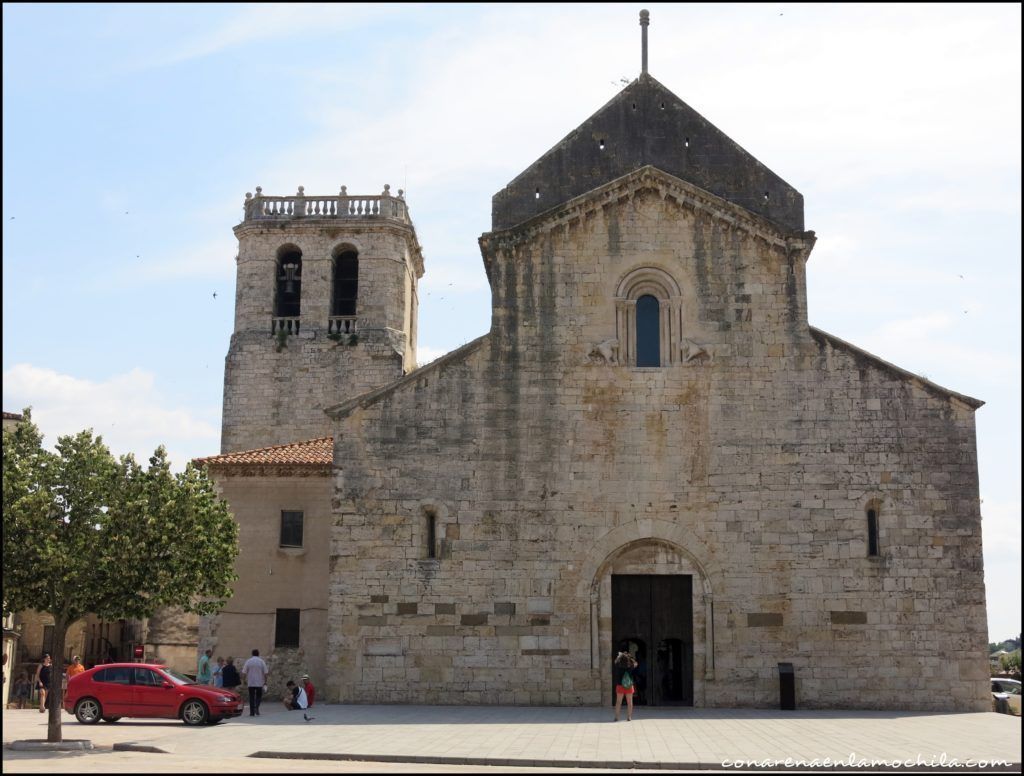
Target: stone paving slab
pixel 692 738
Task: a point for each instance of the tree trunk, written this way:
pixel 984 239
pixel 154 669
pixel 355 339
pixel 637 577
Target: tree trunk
pixel 55 697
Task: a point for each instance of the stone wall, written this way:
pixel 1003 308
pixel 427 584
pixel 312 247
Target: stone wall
pixel 272 577
pixel 274 394
pixel 750 467
pixel 32 625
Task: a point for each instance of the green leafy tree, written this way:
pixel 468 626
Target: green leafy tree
pixel 85 532
pixel 1011 664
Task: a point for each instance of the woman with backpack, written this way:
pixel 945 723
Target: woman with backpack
pixel 624 684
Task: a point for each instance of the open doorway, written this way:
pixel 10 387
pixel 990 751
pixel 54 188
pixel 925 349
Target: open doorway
pixel 652 617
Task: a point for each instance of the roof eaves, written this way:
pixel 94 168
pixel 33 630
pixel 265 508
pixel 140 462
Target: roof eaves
pixel 366 399
pixel 912 377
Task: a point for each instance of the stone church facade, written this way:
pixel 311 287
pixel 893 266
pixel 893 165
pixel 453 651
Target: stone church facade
pixel 651 448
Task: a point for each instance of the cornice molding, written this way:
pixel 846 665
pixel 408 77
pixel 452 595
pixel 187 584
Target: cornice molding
pixel 668 187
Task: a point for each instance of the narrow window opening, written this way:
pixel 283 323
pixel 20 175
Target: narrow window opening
pixel 536 194
pixel 648 331
pixel 872 533
pixel 288 287
pixel 291 528
pixel 766 196
pixel 686 143
pixel 431 535
pixel 600 143
pixel 634 106
pixel 346 283
pixel 286 628
pixel 663 106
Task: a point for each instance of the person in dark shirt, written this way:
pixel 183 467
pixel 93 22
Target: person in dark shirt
pixel 624 684
pixel 42 682
pixel 232 680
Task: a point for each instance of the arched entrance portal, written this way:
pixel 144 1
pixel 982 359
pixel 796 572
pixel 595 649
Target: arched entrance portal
pixel 665 613
pixel 652 617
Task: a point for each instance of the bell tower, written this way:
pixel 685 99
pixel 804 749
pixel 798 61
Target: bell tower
pixel 325 309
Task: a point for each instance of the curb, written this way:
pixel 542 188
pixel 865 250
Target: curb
pixel 601 764
pixel 42 745
pixel 130 747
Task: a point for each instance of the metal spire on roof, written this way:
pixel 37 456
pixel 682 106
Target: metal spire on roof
pixel 645 20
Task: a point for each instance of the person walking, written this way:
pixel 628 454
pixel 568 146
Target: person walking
pixel 310 690
pixel 218 673
pixel 255 672
pixel 624 667
pixel 230 680
pixel 42 681
pixel 204 675
pixel 22 690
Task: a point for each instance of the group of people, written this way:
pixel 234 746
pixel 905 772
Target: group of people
pixel 223 673
pixel 41 681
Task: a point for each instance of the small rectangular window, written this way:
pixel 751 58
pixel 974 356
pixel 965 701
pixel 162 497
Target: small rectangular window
pixel 431 535
pixel 286 634
pixel 872 533
pixel 48 640
pixel 291 529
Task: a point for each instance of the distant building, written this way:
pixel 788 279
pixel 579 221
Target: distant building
pixel 650 449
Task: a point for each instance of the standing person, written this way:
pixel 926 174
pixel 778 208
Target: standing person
pixel 42 681
pixel 255 672
pixel 218 673
pixel 204 675
pixel 75 668
pixel 294 697
pixel 624 667
pixel 310 690
pixel 230 680
pixel 22 689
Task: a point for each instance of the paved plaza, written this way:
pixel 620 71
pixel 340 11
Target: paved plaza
pixel 449 738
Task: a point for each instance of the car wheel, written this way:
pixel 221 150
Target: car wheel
pixel 194 713
pixel 111 720
pixel 88 711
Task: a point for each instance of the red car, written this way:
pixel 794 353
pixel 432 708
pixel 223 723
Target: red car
pixel 116 690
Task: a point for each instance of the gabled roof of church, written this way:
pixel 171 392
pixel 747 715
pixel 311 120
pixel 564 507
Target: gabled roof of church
pixel 646 124
pixel 860 354
pixel 313 453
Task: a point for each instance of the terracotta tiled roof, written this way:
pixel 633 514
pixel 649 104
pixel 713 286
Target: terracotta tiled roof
pixel 313 452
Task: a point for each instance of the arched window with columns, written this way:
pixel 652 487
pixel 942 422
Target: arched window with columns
pixel 648 331
pixel 648 318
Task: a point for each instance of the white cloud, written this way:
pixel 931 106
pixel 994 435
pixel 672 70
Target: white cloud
pixel 126 409
pixel 263 22
pixel 213 259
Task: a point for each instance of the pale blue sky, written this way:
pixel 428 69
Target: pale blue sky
pixel 131 134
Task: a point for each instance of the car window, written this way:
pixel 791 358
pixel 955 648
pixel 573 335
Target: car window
pixel 178 678
pixel 1010 687
pixel 117 675
pixel 148 678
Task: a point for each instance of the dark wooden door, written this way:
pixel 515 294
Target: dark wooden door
pixel 652 616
